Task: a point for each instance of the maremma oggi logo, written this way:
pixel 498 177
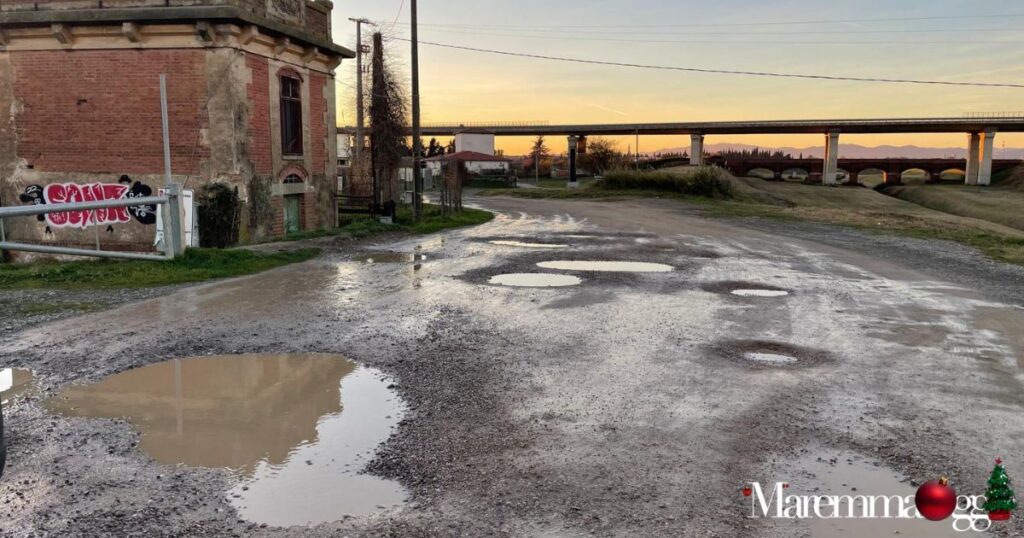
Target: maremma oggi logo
pixel 936 501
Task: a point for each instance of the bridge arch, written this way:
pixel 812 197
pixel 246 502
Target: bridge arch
pixel 795 173
pixel 915 176
pixel 761 173
pixel 953 174
pixel 872 177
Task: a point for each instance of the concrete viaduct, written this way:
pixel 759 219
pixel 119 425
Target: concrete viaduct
pixel 980 131
pixel 892 169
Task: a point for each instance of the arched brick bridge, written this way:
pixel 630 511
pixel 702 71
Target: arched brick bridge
pixel 893 168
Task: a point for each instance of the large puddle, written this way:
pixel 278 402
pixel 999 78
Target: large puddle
pixel 14 382
pixel 853 476
pixel 607 266
pixel 523 244
pixel 760 293
pixel 536 280
pixel 298 428
pixel 392 257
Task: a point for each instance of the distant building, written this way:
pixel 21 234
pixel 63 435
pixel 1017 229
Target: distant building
pixel 251 96
pixel 478 143
pixel 476 163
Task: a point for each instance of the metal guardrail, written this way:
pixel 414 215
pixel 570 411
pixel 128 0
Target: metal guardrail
pixel 170 207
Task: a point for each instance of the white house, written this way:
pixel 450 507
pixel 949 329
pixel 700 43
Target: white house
pixel 475 142
pixel 476 163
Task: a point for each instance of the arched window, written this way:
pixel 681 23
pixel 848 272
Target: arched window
pixel 292 178
pixel 291 115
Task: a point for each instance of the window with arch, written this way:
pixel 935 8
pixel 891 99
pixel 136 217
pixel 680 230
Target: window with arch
pixel 291 115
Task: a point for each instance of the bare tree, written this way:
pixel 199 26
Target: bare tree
pixel 388 120
pixel 538 153
pixel 602 155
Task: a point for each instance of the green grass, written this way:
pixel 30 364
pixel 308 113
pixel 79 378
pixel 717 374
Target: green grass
pixel 705 182
pixel 195 266
pixel 433 222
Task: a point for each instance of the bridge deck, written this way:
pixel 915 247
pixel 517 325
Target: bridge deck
pixel 846 126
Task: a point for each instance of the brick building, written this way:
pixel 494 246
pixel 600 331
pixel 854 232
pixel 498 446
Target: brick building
pixel 251 104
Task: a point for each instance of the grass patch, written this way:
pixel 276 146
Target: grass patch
pixel 195 266
pixel 997 246
pixel 433 222
pixel 705 182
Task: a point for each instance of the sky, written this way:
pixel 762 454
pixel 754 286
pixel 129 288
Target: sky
pixel 950 40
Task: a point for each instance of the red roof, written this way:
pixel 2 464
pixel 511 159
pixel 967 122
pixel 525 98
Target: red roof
pixel 469 156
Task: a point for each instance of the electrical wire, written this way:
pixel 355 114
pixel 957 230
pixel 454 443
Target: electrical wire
pixel 397 16
pixel 721 71
pixel 748 24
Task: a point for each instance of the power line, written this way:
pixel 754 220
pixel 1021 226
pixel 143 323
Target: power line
pixel 722 71
pixel 768 23
pixel 731 41
pixel 397 16
pixel 536 30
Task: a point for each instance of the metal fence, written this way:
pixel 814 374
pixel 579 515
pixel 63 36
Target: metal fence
pixel 171 245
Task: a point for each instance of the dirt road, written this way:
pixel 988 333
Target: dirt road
pixel 632 404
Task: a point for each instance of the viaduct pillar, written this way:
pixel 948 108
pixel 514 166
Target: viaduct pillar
pixel 973 158
pixel 831 169
pixel 987 150
pixel 697 150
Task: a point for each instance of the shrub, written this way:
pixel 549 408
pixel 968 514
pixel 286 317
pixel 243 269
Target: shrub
pixel 707 181
pixel 220 211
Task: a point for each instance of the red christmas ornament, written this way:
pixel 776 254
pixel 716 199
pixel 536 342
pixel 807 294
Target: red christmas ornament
pixel 748 491
pixel 936 500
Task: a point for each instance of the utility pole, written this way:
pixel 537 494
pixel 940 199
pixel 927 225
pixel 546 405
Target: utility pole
pixel 360 136
pixel 417 174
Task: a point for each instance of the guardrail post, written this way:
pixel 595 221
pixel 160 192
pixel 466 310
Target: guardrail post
pixel 174 241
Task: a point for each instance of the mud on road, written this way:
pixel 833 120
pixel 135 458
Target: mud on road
pixel 621 406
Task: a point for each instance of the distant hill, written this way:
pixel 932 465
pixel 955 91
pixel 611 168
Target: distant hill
pixel 854 151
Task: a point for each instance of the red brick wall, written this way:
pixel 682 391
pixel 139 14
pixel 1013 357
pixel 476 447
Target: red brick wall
pixel 99 111
pixel 277 226
pixel 259 114
pixel 309 220
pixel 317 123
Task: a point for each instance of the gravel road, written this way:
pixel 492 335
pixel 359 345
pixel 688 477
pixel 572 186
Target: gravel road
pixel 633 404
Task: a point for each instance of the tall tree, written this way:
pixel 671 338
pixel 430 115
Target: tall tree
pixel 602 155
pixel 434 148
pixel 388 121
pixel 538 153
pixel 451 147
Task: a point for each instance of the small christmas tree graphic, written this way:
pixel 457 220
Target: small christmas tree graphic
pixel 1000 499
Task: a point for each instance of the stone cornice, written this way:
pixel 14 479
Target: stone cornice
pixel 51 18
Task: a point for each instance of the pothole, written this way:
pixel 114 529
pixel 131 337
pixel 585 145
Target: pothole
pixel 607 266
pixel 745 289
pixel 523 244
pixel 770 358
pixel 760 293
pixel 536 280
pixel 392 257
pixel 297 428
pixel 768 354
pixel 15 382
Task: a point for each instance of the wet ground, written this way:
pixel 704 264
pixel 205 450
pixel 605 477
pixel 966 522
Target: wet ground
pixel 628 404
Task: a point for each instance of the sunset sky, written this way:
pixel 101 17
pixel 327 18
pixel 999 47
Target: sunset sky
pixel 790 36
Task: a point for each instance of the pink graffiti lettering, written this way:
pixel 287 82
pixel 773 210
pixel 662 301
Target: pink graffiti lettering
pixel 66 193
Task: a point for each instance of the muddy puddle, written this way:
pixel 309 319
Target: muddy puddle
pixel 298 429
pixel 392 257
pixel 770 358
pixel 607 266
pixel 760 293
pixel 15 382
pixel 849 474
pixel 524 244
pixel 768 354
pixel 536 280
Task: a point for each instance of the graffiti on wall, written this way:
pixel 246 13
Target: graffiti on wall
pixel 65 193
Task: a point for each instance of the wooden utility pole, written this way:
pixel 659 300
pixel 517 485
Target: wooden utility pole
pixel 417 174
